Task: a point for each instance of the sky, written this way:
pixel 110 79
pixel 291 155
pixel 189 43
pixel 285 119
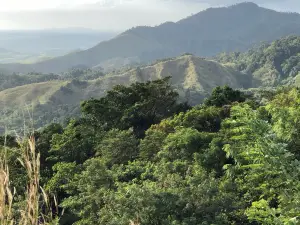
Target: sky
pixel 111 15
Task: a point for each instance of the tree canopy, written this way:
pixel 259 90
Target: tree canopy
pixel 138 156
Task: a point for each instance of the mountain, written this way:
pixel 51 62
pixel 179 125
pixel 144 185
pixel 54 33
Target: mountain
pixel 215 30
pixel 54 100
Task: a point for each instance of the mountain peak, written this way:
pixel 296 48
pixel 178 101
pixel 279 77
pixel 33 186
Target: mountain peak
pixel 248 6
pixel 245 5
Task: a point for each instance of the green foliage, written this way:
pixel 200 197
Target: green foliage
pixel 206 119
pixel 224 96
pixel 214 158
pixel 43 145
pixel 271 64
pixel 89 187
pixel 75 144
pixel 226 162
pixel 183 143
pixel 257 150
pixel 138 106
pixel 63 173
pixel 118 147
pixel 152 143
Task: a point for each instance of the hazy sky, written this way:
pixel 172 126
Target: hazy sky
pixel 114 15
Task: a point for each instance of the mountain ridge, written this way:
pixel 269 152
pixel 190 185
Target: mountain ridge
pixel 207 33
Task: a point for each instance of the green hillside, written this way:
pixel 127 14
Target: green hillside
pixel 207 33
pixel 271 64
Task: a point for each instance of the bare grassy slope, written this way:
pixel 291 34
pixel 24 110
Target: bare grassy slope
pixel 190 73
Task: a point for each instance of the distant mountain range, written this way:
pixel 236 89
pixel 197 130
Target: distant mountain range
pixel 215 30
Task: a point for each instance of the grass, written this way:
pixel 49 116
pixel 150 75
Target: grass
pixel 6 194
pixel 36 210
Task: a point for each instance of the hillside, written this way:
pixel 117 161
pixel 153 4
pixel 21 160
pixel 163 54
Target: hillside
pixel 271 64
pixel 207 33
pixel 192 77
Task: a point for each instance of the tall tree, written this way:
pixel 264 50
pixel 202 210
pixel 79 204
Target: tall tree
pixel 138 106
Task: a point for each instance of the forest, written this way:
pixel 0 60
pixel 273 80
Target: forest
pixel 138 156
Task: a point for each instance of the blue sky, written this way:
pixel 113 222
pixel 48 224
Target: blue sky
pixel 115 15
